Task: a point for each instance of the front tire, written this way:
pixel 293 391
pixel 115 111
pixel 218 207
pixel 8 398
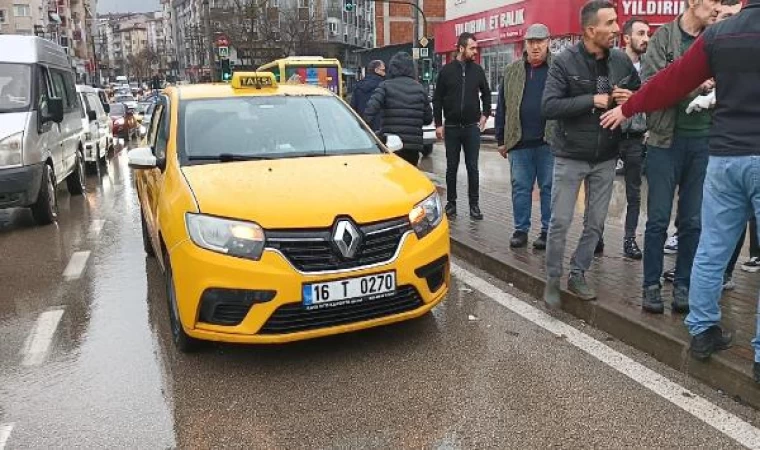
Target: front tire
pixel 45 209
pixel 182 341
pixel 76 180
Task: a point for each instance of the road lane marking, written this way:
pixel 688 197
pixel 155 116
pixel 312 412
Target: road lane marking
pixel 5 433
pixel 96 227
pixel 76 265
pixel 718 418
pixel 38 342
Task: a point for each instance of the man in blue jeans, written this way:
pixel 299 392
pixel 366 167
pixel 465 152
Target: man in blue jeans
pixel 728 52
pixel 677 156
pixel 521 132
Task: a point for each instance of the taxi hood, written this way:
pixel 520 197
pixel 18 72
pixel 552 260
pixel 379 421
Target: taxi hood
pixel 309 192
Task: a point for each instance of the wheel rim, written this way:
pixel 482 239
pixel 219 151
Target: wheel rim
pixel 51 191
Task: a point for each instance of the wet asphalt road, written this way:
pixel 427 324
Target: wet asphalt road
pixel 471 375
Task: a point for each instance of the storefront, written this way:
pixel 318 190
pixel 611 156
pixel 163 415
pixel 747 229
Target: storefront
pixel 500 31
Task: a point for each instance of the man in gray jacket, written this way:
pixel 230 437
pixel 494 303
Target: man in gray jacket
pixel 584 81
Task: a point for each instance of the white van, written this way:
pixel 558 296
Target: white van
pixel 98 135
pixel 40 126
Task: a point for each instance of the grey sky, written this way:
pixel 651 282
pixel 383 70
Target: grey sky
pixel 123 6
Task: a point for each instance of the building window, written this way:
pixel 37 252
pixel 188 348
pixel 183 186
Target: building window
pixel 22 11
pixel 3 16
pixel 303 3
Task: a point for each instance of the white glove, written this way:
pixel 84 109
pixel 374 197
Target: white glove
pixel 701 103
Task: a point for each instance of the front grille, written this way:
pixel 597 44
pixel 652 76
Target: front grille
pixel 314 250
pixel 294 317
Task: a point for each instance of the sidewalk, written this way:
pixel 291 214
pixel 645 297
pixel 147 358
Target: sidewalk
pixel 616 279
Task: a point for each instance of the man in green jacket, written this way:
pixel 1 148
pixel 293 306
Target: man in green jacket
pixel 677 157
pixel 523 133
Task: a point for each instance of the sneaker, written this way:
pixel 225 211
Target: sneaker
pixel 599 249
pixel 728 283
pixel 540 243
pixel 451 210
pixel 552 293
pixel 519 239
pixel 680 299
pixel 576 284
pixel 620 167
pixel 669 275
pixel 475 213
pixel 752 266
pixel 631 249
pixel 714 339
pixel 671 245
pixel 651 300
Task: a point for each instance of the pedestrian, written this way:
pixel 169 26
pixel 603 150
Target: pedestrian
pixel 584 80
pixel 676 159
pixel 364 89
pixel 463 98
pixel 728 52
pixel 522 133
pixel 403 104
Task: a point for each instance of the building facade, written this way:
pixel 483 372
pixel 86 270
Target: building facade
pixel 133 45
pixel 499 25
pixel 401 24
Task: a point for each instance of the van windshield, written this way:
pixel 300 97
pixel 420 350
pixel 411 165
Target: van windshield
pixel 15 87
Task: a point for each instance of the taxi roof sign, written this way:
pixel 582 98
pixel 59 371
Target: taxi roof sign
pixel 253 80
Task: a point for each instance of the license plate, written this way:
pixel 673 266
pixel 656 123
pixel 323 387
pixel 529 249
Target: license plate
pixel 349 290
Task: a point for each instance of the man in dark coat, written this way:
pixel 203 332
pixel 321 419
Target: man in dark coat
pixel 403 105
pixel 364 89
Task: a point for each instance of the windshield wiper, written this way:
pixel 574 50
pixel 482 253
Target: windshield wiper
pixel 227 157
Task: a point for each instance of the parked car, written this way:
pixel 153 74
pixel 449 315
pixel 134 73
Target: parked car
pixel 128 100
pixel 40 126
pixel 98 136
pixel 146 121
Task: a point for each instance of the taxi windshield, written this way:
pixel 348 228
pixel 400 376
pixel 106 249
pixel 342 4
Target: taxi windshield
pixel 271 127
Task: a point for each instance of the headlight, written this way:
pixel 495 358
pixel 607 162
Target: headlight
pixel 427 215
pixel 230 237
pixel 10 150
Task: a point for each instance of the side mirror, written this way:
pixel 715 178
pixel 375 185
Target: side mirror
pixel 106 108
pixel 54 111
pixel 142 159
pixel 92 116
pixel 394 143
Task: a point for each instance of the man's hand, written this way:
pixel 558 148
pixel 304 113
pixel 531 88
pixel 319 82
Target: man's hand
pixel 439 132
pixel 602 101
pixel 703 102
pixel 503 151
pixel 613 118
pixel 707 86
pixel 621 95
pixel 482 125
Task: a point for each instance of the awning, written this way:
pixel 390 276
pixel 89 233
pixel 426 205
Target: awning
pixel 55 17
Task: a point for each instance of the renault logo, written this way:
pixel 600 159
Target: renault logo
pixel 346 238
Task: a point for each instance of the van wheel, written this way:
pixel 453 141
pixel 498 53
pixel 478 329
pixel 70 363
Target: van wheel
pixel 75 181
pixel 45 209
pixel 146 237
pixel 182 341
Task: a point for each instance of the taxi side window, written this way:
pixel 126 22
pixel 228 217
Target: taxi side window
pixel 161 130
pixel 154 119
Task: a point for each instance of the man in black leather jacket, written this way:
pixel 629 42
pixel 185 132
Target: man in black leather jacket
pixel 584 81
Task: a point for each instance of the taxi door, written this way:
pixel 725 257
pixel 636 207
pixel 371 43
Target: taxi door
pixel 152 180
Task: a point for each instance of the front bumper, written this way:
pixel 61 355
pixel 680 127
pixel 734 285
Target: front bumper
pixel 195 270
pixel 19 187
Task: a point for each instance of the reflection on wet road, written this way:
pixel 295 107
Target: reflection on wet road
pixel 87 362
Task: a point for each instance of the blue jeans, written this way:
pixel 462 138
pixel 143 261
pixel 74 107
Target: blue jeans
pixel 458 140
pixel 681 166
pixel 528 165
pixel 731 196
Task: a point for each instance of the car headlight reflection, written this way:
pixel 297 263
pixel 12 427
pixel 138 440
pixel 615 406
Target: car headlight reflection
pixel 426 215
pixel 10 150
pixel 230 237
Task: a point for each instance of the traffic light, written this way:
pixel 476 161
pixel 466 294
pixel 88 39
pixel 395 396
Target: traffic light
pixel 226 70
pixel 427 69
pixel 349 5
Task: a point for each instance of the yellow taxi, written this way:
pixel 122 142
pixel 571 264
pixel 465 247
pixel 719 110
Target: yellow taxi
pixel 277 215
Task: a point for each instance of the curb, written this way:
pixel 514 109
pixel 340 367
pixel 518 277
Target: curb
pixel 724 371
